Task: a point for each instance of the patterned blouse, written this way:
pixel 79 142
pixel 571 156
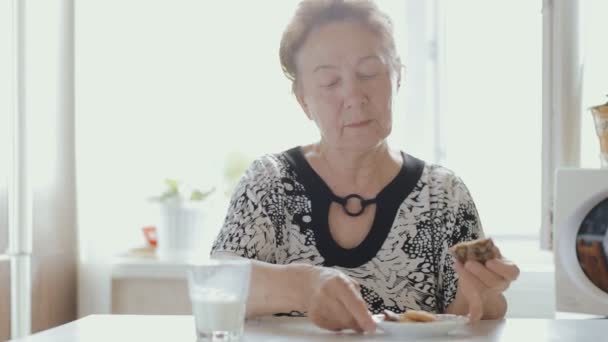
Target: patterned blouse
pixel 279 214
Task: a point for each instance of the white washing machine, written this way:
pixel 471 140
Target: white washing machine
pixel 580 220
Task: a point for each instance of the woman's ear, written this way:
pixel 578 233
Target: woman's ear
pixel 398 69
pixel 399 77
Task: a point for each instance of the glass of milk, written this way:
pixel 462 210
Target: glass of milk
pixel 218 293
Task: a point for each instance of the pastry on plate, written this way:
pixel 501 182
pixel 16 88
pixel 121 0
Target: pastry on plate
pixel 409 316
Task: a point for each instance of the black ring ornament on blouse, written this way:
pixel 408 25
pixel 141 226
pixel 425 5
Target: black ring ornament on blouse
pixel 343 201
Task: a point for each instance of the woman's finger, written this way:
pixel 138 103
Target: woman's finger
pixel 471 279
pixel 349 295
pixel 475 305
pixel 330 314
pixel 487 276
pixel 504 268
pixel 347 321
pixel 469 286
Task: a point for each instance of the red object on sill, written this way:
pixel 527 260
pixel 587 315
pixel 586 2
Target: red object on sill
pixel 150 234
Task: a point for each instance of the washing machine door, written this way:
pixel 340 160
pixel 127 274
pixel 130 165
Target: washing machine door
pixel 592 245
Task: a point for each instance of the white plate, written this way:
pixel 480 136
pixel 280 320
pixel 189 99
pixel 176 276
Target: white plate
pixel 444 324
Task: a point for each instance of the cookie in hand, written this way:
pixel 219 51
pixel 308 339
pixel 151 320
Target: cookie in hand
pixel 480 250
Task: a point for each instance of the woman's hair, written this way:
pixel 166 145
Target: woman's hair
pixel 312 14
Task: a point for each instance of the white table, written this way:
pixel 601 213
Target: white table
pixel 117 328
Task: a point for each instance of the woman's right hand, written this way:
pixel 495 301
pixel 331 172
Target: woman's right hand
pixel 335 302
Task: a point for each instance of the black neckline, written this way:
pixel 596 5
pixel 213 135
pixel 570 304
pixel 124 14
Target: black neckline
pixel 389 199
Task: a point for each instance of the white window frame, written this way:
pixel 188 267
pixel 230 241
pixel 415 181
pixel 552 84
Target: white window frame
pixel 562 93
pixel 19 196
pixel 20 193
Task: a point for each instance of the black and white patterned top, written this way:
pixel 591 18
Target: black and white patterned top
pixel 279 214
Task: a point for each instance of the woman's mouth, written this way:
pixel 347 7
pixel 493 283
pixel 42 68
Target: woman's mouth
pixel 359 124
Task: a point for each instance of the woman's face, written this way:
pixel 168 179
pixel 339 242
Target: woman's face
pixel 345 85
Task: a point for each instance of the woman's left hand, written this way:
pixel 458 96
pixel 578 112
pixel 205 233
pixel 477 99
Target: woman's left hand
pixel 483 285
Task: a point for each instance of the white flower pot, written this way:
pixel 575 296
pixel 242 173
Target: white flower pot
pixel 179 231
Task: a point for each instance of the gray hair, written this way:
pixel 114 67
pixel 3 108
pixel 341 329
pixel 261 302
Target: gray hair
pixel 312 14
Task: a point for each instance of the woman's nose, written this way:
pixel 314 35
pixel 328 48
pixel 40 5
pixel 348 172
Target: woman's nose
pixel 354 95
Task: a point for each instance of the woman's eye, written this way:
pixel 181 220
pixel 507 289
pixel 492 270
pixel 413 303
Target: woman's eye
pixel 368 76
pixel 330 83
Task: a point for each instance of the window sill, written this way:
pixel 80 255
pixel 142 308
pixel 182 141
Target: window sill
pixel 143 263
pixel 525 252
pixel 536 282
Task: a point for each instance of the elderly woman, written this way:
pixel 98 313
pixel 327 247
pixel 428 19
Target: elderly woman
pixel 348 226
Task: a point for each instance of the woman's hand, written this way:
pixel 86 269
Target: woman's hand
pixel 335 302
pixel 482 286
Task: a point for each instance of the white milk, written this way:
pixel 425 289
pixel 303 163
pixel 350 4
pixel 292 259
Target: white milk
pixel 217 311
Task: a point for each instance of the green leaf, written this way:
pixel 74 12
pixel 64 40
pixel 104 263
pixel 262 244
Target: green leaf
pixel 173 185
pixel 235 166
pixel 171 192
pixel 197 195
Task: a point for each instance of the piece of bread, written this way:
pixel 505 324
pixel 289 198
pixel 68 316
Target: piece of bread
pixel 480 250
pixel 418 316
pixel 413 316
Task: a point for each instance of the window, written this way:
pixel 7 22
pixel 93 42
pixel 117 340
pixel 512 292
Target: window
pixel 490 104
pixel 173 89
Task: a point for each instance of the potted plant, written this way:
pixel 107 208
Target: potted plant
pixel 181 220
